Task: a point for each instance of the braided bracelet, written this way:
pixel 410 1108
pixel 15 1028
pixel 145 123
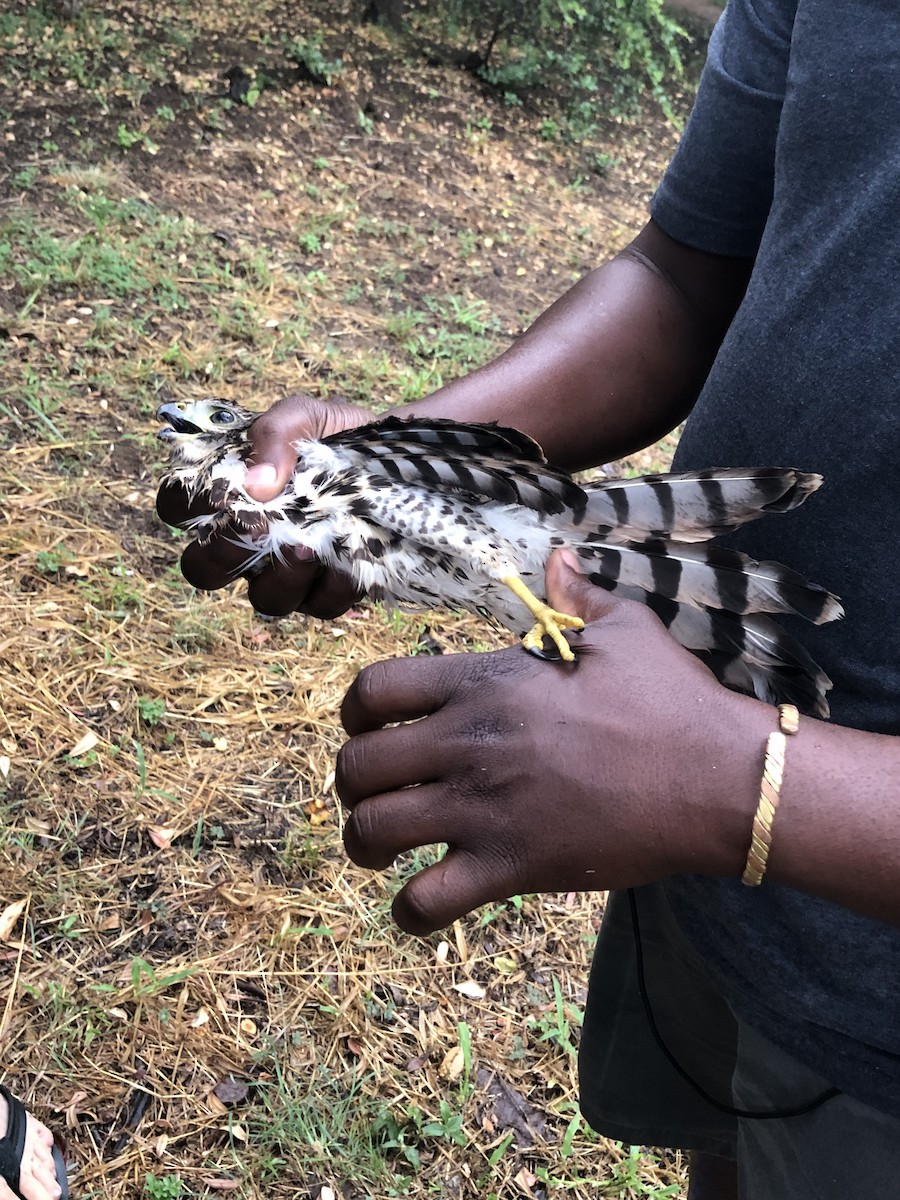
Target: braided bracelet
pixel 769 791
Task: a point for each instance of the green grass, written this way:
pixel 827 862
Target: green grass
pixel 103 55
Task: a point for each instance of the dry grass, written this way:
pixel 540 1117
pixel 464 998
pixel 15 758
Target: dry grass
pixel 200 989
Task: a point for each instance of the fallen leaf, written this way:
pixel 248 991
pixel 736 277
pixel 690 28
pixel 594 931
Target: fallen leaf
pixel 470 989
pixel 162 835
pixel 526 1180
pixel 249 1027
pixel 113 921
pixel 9 918
pixel 230 1091
pixel 4 765
pixel 221 1185
pixel 88 742
pixel 510 1110
pixel 201 1018
pixel 453 1064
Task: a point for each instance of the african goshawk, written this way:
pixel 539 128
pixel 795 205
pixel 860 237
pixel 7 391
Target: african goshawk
pixel 428 513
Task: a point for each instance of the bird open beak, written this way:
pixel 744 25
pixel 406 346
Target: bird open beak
pixel 176 423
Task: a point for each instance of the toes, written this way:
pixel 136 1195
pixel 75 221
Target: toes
pixel 37 1175
pixel 41 1131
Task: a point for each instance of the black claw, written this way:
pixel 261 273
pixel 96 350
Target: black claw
pixel 550 654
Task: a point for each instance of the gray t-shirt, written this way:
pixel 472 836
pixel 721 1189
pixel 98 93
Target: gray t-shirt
pixel 792 154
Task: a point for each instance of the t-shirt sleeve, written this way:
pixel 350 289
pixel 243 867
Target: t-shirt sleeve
pixel 717 191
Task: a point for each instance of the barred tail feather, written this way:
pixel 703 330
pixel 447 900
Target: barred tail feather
pixel 754 655
pixel 713 577
pixel 694 506
pixel 747 653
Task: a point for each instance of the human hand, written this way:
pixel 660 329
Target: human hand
pixel 629 765
pixel 300 582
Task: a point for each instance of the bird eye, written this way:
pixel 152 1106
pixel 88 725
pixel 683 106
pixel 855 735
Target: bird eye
pixel 222 417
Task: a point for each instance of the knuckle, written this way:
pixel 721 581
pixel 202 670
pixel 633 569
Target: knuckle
pixel 362 828
pixel 349 768
pixel 371 683
pixel 412 911
pixel 363 838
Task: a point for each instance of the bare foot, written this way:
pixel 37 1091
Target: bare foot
pixel 37 1173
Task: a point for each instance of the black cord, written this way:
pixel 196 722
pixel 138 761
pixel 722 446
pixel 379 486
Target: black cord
pixel 745 1114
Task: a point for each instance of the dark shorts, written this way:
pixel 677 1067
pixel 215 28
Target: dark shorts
pixel 843 1150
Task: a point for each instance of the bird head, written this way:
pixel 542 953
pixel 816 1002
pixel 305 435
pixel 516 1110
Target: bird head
pixel 198 429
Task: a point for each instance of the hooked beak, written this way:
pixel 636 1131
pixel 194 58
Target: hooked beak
pixel 176 423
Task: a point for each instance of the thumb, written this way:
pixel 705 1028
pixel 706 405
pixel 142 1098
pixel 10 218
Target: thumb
pixel 271 465
pixel 274 434
pixel 570 591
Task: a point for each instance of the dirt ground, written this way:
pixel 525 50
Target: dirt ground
pixel 198 989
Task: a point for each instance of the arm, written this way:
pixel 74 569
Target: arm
pixel 627 768
pixel 614 364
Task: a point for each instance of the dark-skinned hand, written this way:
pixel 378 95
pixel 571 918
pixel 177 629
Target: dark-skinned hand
pixel 301 583
pixel 629 765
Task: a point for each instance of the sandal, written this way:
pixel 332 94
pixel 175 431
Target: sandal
pixel 12 1147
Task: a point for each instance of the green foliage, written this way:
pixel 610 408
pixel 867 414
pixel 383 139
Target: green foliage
pixel 307 54
pixel 151 711
pixel 127 138
pixel 598 47
pixel 165 1187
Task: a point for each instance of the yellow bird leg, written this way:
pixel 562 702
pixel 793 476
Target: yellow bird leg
pixel 548 622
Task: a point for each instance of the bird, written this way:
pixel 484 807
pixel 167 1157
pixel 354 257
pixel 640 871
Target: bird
pixel 424 513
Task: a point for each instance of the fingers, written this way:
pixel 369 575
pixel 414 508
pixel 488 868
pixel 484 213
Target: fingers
pixel 285 587
pixel 382 827
pixel 330 595
pixel 400 689
pixel 443 893
pixel 272 436
pixel 298 583
pixel 174 507
pixel 213 563
pixel 387 760
pixel 405 689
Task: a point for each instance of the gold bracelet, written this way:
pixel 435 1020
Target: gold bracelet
pixel 769 791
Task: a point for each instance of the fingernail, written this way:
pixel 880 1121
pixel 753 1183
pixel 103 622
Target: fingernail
pixel 261 475
pixel 570 558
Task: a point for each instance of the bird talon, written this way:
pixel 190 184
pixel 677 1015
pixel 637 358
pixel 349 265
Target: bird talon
pixel 551 623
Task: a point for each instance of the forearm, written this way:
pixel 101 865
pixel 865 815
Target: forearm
pixel 616 362
pixel 836 832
